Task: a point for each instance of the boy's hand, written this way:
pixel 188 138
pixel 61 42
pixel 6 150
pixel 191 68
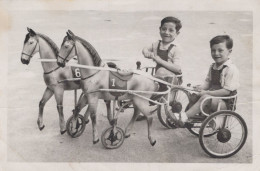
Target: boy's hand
pixel 148 55
pixel 197 87
pixel 203 92
pixel 155 57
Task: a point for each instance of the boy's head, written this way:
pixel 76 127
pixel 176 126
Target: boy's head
pixel 169 29
pixel 221 46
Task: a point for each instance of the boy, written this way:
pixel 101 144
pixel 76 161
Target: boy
pixel 164 52
pixel 222 79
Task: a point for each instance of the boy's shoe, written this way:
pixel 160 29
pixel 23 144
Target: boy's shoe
pixel 170 123
pixel 179 119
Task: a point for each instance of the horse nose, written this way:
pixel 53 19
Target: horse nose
pixel 61 64
pixel 25 61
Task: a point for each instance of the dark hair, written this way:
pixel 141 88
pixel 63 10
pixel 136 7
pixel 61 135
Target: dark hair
pixel 174 20
pixel 221 39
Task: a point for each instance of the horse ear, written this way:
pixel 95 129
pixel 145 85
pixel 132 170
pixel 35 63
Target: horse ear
pixel 70 34
pixel 32 33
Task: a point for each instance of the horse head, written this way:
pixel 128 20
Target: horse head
pixel 67 50
pixel 30 46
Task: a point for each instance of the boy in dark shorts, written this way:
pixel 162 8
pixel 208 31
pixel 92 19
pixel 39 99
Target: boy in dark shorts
pixel 222 79
pixel 164 52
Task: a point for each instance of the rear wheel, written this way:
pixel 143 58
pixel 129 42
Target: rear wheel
pixel 179 102
pixel 230 136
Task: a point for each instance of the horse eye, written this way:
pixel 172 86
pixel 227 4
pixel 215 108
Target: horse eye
pixel 30 43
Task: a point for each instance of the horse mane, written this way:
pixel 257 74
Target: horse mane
pixel 95 56
pixel 53 46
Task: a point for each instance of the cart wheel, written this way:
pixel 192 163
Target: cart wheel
pixel 179 102
pixel 80 126
pixel 113 139
pixel 231 134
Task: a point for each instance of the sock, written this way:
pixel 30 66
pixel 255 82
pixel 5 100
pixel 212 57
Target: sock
pixel 184 117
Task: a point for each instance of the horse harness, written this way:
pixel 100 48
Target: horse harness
pixel 31 55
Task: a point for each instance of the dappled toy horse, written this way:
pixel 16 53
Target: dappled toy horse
pixel 93 80
pixel 55 77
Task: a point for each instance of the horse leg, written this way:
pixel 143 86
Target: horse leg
pixel 46 96
pixel 131 123
pixel 82 102
pixel 58 92
pixel 142 105
pixel 109 113
pixel 91 111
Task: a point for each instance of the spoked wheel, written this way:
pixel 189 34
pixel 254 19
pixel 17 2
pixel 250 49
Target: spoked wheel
pixel 80 126
pixel 179 102
pixel 230 136
pixel 113 139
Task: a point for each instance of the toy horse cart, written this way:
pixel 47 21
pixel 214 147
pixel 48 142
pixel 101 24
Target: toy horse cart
pixel 217 140
pixel 221 134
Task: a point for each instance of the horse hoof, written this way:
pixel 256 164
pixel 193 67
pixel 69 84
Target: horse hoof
pixel 153 143
pixel 62 132
pixel 87 121
pixel 127 136
pixel 41 128
pixel 94 142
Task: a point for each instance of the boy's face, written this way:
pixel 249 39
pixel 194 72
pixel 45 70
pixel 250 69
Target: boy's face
pixel 220 53
pixel 168 32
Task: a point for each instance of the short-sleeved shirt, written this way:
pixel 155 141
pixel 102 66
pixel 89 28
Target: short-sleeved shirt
pixel 173 55
pixel 229 77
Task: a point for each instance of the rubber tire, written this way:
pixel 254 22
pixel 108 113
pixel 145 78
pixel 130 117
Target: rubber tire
pixel 103 140
pixel 161 115
pixel 206 122
pixel 79 132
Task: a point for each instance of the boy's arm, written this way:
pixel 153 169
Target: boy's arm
pixel 204 86
pixel 231 83
pixel 167 64
pixel 173 63
pixel 220 92
pixel 148 52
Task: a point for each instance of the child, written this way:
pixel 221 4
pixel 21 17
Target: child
pixel 222 78
pixel 164 52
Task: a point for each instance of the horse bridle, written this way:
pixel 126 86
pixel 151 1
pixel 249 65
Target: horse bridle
pixel 65 59
pixel 31 55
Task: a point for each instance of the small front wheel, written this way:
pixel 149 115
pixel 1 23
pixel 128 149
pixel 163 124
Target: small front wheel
pixel 80 126
pixel 113 137
pixel 230 136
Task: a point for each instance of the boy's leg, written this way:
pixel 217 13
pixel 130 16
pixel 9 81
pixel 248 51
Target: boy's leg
pixel 215 103
pixel 218 104
pixel 195 109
